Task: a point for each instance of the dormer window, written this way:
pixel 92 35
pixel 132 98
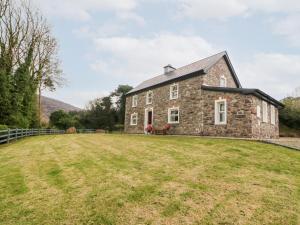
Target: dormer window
pixel 223 81
pixel 174 91
pixel 149 97
pixel 134 101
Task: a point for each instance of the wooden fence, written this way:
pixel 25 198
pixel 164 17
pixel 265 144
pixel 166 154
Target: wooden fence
pixel 14 134
pixel 86 131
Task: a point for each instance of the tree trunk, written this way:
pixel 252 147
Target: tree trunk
pixel 40 107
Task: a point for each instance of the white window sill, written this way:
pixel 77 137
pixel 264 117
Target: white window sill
pixel 220 123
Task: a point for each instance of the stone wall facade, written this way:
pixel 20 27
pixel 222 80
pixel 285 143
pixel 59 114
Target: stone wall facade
pixel 215 73
pixel 260 129
pixel 242 118
pixel 188 101
pixel 197 108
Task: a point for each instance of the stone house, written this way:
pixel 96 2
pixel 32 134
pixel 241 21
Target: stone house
pixel 203 98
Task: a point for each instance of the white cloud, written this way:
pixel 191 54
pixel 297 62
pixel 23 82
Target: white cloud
pixel 271 6
pixel 131 16
pixel 215 9
pixel 276 74
pixel 82 9
pixel 221 10
pixel 104 30
pixel 285 15
pixel 289 28
pixel 136 59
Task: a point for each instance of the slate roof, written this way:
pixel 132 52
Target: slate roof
pixel 246 91
pixel 201 66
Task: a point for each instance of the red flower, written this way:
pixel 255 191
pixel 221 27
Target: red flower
pixel 167 127
pixel 149 128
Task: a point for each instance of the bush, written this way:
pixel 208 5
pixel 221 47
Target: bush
pixel 71 130
pixel 290 115
pixel 3 127
pixel 61 120
pixel 100 131
pixel 119 127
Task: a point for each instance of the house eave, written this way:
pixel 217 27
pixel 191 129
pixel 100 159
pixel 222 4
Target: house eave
pixel 184 77
pixel 246 91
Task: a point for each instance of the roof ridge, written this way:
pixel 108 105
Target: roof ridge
pixel 199 65
pixel 224 52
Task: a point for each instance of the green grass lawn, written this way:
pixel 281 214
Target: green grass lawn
pixel 122 179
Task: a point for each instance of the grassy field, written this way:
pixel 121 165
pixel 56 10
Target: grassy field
pixel 122 179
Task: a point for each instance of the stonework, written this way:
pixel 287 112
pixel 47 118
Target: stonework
pixel 197 108
pixel 215 73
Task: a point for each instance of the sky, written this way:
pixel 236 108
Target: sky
pixel 104 43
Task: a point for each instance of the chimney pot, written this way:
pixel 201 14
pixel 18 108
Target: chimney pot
pixel 169 68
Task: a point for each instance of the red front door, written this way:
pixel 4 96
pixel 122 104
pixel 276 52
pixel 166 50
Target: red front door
pixel 149 118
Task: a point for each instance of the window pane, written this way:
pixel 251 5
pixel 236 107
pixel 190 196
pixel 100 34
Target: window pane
pixel 222 107
pixel 174 115
pixel 223 82
pixel 222 117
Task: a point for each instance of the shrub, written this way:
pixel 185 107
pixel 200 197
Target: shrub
pixel 3 127
pixel 101 131
pixel 71 130
pixel 290 115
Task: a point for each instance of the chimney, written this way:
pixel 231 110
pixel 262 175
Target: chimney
pixel 169 69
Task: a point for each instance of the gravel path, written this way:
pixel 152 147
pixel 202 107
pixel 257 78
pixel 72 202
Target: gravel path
pixel 288 142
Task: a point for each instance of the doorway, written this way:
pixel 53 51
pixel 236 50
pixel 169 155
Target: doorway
pixel 148 117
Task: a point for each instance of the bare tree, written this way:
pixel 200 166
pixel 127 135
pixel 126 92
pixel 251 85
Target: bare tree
pixel 22 29
pixel 46 65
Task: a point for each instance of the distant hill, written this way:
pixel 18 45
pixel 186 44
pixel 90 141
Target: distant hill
pixel 50 105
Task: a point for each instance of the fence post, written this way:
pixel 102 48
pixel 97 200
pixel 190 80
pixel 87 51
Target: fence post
pixel 8 135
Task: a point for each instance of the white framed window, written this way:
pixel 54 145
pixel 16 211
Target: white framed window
pixel 149 97
pixel 273 118
pixel 173 91
pixel 173 115
pixel 258 111
pixel 265 112
pixel 134 101
pixel 223 81
pixel 134 119
pixel 221 112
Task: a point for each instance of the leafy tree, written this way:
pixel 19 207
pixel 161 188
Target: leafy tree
pixel 62 120
pixel 290 115
pixel 23 95
pixel 120 93
pixel 101 114
pixel 28 62
pixel 5 98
